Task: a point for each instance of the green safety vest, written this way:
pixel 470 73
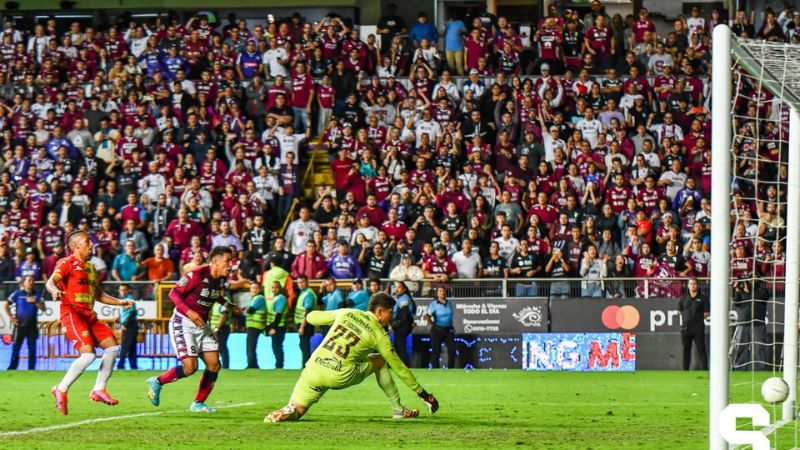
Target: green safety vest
pixel 271 310
pixel 216 315
pixel 256 318
pixel 299 309
pixel 274 274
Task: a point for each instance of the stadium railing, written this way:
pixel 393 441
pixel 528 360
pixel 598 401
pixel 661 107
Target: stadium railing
pixel 155 308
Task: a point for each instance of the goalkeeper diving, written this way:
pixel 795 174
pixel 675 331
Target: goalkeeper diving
pixel 356 346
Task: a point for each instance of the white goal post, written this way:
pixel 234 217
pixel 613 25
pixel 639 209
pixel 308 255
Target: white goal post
pixel 777 67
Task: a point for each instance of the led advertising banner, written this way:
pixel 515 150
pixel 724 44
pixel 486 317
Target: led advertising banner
pixel 579 352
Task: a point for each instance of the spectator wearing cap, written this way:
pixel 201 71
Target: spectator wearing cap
pixel 366 229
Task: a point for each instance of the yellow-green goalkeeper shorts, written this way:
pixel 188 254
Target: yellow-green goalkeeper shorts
pixel 315 380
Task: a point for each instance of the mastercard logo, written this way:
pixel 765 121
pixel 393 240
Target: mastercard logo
pixel 625 317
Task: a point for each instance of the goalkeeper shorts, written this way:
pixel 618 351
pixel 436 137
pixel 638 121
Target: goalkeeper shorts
pixel 315 380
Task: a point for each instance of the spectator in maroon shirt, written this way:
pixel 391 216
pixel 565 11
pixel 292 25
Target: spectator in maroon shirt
pixel 182 229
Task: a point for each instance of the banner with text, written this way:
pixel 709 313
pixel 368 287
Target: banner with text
pixel 490 316
pixel 581 315
pixel 579 352
pixel 147 309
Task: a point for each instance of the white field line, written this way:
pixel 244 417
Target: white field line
pixel 105 419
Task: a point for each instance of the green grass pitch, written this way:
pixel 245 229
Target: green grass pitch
pixel 479 409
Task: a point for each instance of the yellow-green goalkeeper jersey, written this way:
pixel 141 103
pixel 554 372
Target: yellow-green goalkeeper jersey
pixel 353 335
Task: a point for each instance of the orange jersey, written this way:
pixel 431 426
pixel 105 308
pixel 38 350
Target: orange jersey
pixel 79 282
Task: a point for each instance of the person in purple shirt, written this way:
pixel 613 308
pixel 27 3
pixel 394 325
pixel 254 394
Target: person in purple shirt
pixel 174 62
pixel 29 267
pixel 343 264
pixel 58 140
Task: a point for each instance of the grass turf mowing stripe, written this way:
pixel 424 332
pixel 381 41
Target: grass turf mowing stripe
pixel 106 419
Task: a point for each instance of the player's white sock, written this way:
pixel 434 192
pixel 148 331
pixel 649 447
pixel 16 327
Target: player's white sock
pixel 75 370
pixel 386 382
pixel 106 367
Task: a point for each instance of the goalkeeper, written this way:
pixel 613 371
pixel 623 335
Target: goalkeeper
pixel 347 356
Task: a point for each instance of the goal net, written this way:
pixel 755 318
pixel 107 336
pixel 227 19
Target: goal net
pixel 755 226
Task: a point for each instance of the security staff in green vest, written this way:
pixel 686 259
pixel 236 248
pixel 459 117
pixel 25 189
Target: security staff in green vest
pixel 220 325
pixel 306 302
pixel 255 322
pixel 276 322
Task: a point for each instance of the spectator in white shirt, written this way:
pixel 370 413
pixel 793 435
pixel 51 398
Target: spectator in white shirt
pixel 468 263
pixel 275 60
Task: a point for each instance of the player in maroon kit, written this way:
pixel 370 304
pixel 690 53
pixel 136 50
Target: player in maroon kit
pixel 75 283
pixel 194 296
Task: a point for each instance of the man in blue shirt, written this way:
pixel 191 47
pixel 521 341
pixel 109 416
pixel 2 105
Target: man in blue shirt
pixel 423 29
pixel 332 298
pixel 248 63
pixel 27 304
pixel 358 298
pixel 126 265
pixel 129 328
pixel 454 32
pixel 440 317
pixel 174 62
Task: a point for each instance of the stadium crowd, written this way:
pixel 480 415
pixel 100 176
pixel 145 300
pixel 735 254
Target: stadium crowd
pixel 584 155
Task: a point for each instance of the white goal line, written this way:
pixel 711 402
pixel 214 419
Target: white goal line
pixel 62 426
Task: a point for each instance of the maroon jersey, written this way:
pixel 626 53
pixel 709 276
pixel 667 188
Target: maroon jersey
pixel 326 95
pixel 640 27
pixel 50 236
pixel 377 136
pixel 618 197
pixel 549 42
pixel 197 290
pixel 649 199
pixel 600 39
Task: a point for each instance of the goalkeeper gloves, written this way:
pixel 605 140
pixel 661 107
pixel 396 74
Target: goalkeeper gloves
pixel 430 401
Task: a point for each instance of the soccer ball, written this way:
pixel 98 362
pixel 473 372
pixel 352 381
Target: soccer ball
pixel 774 390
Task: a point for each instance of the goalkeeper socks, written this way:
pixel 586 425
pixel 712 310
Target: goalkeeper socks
pixel 106 367
pixel 75 370
pixel 173 374
pixel 386 382
pixel 206 385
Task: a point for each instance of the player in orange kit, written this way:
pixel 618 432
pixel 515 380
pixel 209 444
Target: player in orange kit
pixel 75 283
